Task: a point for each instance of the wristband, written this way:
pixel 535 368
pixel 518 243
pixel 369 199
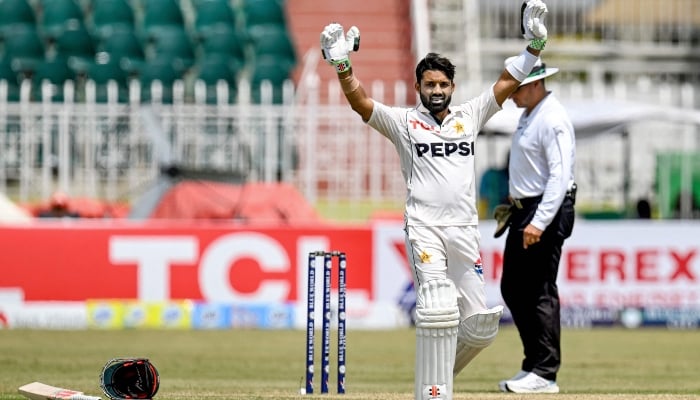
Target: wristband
pixel 342 65
pixel 538 44
pixel 521 67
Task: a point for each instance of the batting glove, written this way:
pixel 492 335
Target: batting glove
pixel 336 45
pixel 532 27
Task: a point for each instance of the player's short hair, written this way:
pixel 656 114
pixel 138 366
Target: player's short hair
pixel 434 61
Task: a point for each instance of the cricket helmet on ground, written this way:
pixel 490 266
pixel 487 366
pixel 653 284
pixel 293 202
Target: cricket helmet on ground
pixel 129 378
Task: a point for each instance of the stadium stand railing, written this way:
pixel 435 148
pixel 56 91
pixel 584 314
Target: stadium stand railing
pixel 230 109
pixel 110 150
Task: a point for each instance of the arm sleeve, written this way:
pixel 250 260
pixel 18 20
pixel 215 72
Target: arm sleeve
pixel 389 121
pixel 558 148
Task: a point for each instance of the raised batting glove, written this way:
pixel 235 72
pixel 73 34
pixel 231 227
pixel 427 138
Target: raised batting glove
pixel 532 27
pixel 336 45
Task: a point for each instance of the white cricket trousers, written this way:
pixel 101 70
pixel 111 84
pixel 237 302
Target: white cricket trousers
pixel 449 252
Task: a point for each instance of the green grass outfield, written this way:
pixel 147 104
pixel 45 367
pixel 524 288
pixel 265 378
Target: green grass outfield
pixel 252 364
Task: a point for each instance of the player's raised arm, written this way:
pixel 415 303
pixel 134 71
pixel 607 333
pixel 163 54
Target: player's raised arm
pixel 336 47
pixel 532 13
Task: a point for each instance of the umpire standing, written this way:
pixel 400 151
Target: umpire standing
pixel 543 192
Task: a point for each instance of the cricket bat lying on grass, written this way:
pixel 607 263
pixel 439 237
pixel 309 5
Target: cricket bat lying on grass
pixel 41 391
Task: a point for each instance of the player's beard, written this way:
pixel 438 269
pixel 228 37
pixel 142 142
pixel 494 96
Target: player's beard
pixel 434 106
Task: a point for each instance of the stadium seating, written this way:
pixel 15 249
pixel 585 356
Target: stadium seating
pixel 24 47
pixel 76 44
pixel 161 69
pixel 16 12
pixel 171 42
pixel 263 12
pixel 213 15
pixel 10 76
pixel 161 13
pixel 103 70
pixel 224 42
pixel 124 47
pixel 272 40
pixel 272 69
pixel 56 71
pixel 213 69
pixel 56 14
pixel 147 40
pixel 110 16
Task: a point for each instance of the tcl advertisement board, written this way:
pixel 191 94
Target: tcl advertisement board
pixel 606 268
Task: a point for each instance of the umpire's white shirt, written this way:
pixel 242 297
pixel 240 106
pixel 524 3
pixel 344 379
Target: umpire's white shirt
pixel 542 158
pixel 437 160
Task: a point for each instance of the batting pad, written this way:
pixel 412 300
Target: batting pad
pixel 475 334
pixel 437 320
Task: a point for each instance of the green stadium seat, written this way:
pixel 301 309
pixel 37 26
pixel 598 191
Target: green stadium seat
pixel 213 15
pixel 172 42
pixel 76 44
pixel 262 12
pixel 23 47
pixel 161 13
pixel 16 12
pixel 109 16
pixel 56 71
pixel 271 69
pixel 8 75
pixel 226 42
pixel 159 69
pixel 57 14
pixel 271 40
pixel 213 69
pixel 103 70
pixel 124 47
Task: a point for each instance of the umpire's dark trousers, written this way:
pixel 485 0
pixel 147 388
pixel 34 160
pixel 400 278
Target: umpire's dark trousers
pixel 529 286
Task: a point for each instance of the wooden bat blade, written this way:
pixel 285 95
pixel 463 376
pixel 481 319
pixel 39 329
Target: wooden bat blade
pixel 42 391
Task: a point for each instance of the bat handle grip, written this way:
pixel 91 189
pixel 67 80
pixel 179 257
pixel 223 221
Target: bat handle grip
pixel 84 397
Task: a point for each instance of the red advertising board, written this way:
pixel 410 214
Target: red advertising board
pixel 152 262
pixel 621 264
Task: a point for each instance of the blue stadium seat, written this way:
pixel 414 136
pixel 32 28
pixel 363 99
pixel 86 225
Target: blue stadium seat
pixel 57 14
pixel 76 44
pixel 124 47
pixel 257 12
pixel 161 13
pixel 103 70
pixel 213 15
pixel 55 71
pixel 161 69
pixel 10 76
pixel 225 42
pixel 271 69
pixel 213 69
pixel 272 40
pixel 16 12
pixel 109 16
pixel 171 42
pixel 23 47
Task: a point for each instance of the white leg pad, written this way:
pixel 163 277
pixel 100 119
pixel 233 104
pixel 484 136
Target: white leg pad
pixel 475 334
pixel 437 320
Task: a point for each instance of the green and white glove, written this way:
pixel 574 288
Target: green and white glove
pixel 532 27
pixel 336 45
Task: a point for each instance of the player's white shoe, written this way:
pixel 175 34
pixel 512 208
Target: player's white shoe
pixel 502 384
pixel 532 383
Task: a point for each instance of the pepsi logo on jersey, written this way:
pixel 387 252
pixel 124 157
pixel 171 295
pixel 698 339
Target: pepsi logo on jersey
pixel 445 149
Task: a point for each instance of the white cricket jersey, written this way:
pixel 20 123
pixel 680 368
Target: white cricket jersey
pixel 437 160
pixel 542 158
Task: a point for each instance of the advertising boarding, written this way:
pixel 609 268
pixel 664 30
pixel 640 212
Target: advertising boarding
pixel 100 275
